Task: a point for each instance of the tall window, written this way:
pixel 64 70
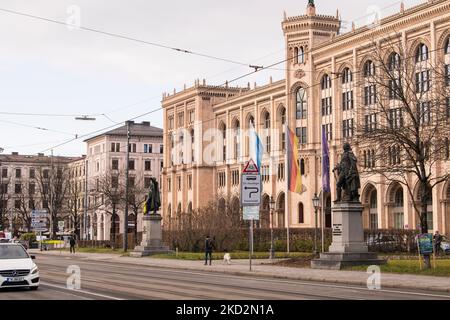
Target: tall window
pixel 369 69
pixel 301 55
pixel 423 81
pixel 347 128
pixel 395 118
pixel 370 122
pixel 237 139
pixel 394 61
pixel 326 106
pixel 370 94
pixel 373 213
pixel 301 214
pixel 347 76
pixel 424 112
pixel 301 104
pixel 302 134
pixel 395 89
pixel 422 53
pixel 326 82
pixel 347 100
pixel 328 131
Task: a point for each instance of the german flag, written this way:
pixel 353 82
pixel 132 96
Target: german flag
pixel 294 177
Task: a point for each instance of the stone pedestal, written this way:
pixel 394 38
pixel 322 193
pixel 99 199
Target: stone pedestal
pixel 348 247
pixel 151 237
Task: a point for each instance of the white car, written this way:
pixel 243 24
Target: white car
pixel 17 268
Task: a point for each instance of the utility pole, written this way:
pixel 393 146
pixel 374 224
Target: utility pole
pixel 51 190
pixel 85 198
pixel 125 224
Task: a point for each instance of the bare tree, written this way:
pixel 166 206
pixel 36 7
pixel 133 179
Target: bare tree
pixel 111 190
pixel 5 196
pixel 73 200
pixel 52 183
pixel 137 195
pixel 27 203
pixel 404 125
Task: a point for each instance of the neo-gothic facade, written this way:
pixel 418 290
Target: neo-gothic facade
pixel 309 99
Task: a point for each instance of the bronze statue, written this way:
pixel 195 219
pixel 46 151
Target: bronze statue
pixel 348 176
pixel 153 202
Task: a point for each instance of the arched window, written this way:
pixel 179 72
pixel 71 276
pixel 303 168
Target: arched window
pixel 394 61
pixel 189 209
pixel 398 198
pixel 131 223
pixel 447 46
pixel 347 76
pixel 283 115
pixel 301 214
pixel 302 167
pixel 301 102
pixel 223 130
pixel 369 69
pixel 326 82
pixel 373 211
pixel 266 120
pixel 422 53
pixel 301 55
pixel 179 209
pixel 251 122
pixel 295 55
pixel 169 211
pixel 237 138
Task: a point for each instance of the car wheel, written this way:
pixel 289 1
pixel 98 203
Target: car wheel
pixel 34 288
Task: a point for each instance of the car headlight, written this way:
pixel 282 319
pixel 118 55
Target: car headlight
pixel 34 270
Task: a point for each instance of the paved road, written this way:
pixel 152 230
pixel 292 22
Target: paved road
pixel 115 281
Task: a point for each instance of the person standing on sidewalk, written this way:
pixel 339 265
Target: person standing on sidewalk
pixel 437 242
pixel 208 250
pixel 72 242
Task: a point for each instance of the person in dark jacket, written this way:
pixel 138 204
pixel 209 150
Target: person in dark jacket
pixel 72 242
pixel 208 250
pixel 437 242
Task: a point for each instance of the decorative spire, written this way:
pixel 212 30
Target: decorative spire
pixel 311 8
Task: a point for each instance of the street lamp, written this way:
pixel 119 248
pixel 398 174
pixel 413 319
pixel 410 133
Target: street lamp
pixel 271 207
pixel 316 202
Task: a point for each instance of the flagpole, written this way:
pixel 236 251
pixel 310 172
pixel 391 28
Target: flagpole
pixel 322 225
pixel 286 198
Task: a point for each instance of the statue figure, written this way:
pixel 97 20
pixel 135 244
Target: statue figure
pixel 153 202
pixel 348 176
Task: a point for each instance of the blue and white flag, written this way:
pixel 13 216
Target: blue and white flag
pixel 256 148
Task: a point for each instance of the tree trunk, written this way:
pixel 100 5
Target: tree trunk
pixel 423 220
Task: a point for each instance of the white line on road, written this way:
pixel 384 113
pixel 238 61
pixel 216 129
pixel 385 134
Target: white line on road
pixel 81 291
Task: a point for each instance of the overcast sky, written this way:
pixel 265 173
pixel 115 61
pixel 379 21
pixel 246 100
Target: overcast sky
pixel 49 68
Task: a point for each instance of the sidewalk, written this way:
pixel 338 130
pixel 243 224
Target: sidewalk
pixel 241 267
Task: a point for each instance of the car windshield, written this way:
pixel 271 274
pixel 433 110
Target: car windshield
pixel 13 252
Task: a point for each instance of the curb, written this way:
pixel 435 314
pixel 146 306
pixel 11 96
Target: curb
pixel 262 274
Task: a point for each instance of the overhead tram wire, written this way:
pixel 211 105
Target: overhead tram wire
pixel 205 91
pixel 37 128
pixel 124 37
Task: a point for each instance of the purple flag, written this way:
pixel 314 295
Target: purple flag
pixel 325 163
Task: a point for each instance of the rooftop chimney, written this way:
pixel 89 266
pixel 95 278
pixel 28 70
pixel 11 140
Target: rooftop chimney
pixel 146 123
pixel 40 154
pixel 14 153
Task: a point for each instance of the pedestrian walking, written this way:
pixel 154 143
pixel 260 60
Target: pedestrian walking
pixel 72 242
pixel 437 242
pixel 208 250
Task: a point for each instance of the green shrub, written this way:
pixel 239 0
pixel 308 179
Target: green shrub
pixel 30 237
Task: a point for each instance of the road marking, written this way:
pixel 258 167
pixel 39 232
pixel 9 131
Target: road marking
pixel 81 291
pixel 124 265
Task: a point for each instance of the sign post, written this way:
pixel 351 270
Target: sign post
pixel 250 199
pixel 39 219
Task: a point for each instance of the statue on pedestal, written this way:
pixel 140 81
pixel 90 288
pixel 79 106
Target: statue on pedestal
pixel 153 202
pixel 348 176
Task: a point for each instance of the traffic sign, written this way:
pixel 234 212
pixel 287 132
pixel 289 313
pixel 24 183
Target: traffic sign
pixel 251 167
pixel 251 190
pixel 251 213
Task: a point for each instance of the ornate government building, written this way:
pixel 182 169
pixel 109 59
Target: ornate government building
pixel 205 126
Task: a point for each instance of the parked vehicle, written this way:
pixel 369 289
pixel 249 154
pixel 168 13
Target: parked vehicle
pixel 17 268
pixel 445 245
